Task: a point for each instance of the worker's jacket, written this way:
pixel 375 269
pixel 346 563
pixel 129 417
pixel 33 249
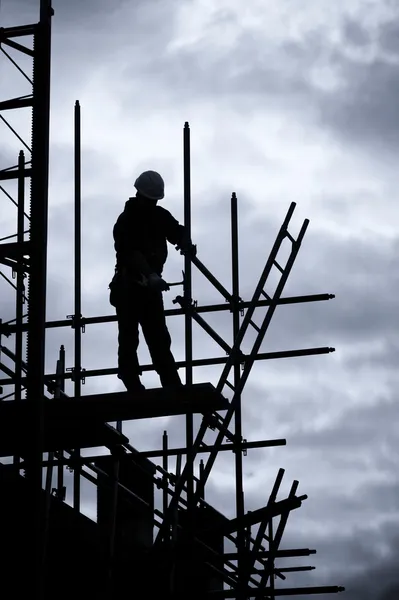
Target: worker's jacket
pixel 147 229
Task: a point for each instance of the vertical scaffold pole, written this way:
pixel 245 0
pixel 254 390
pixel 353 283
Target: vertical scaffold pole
pixel 60 387
pixel 77 316
pixel 236 374
pixel 188 320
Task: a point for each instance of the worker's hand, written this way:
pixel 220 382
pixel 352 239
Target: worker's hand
pixel 188 249
pixel 185 244
pixel 155 282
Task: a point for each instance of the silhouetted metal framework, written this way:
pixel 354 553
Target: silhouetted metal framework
pixel 46 429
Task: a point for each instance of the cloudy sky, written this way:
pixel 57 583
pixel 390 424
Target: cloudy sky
pixel 287 101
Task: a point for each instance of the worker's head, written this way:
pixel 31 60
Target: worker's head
pixel 150 186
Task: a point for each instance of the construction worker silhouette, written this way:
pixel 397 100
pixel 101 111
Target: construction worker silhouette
pixel 141 233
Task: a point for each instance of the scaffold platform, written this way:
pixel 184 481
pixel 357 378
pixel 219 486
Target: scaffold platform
pixel 16 439
pixel 83 423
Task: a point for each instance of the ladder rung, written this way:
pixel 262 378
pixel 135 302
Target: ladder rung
pixel 254 325
pixel 278 266
pixel 289 236
pixel 230 385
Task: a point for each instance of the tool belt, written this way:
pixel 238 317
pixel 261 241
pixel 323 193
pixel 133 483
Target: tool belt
pixel 124 283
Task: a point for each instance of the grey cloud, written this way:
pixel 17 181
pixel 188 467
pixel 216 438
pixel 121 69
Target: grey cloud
pixel 243 74
pixel 354 270
pixel 70 13
pixel 385 357
pixel 359 425
pixel 388 38
pixel 83 14
pixel 355 33
pixel 364 113
pixel 18 12
pixel 358 562
pixel 379 581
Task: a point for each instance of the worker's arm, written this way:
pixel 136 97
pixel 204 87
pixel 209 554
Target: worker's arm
pixel 186 246
pixel 178 236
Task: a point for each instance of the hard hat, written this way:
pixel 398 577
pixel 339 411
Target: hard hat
pixel 151 185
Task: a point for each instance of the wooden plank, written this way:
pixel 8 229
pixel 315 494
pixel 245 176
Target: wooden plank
pixel 121 406
pixel 15 439
pixel 14 249
pixel 71 423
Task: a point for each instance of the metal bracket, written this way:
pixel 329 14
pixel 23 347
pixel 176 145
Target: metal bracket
pixel 158 482
pixel 186 304
pixel 237 353
pixel 82 374
pixel 236 303
pixel 15 269
pixel 244 450
pixel 74 319
pixel 212 421
pixel 171 479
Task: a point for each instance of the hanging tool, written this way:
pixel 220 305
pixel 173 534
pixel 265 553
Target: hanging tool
pixel 179 282
pixel 144 281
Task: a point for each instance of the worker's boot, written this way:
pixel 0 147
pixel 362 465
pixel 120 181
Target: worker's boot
pixel 170 379
pixel 132 383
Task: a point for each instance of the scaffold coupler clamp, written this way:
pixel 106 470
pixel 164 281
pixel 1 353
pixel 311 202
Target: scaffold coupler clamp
pixel 184 303
pixel 161 483
pixel 238 443
pixel 73 376
pixel 235 303
pixel 212 420
pixel 74 320
pixel 238 356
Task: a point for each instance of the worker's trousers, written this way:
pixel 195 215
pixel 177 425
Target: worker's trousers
pixel 143 306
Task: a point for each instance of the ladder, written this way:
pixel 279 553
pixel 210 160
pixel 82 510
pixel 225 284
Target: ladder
pixel 222 423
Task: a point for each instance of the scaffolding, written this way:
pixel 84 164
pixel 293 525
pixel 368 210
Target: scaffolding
pixel 44 430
